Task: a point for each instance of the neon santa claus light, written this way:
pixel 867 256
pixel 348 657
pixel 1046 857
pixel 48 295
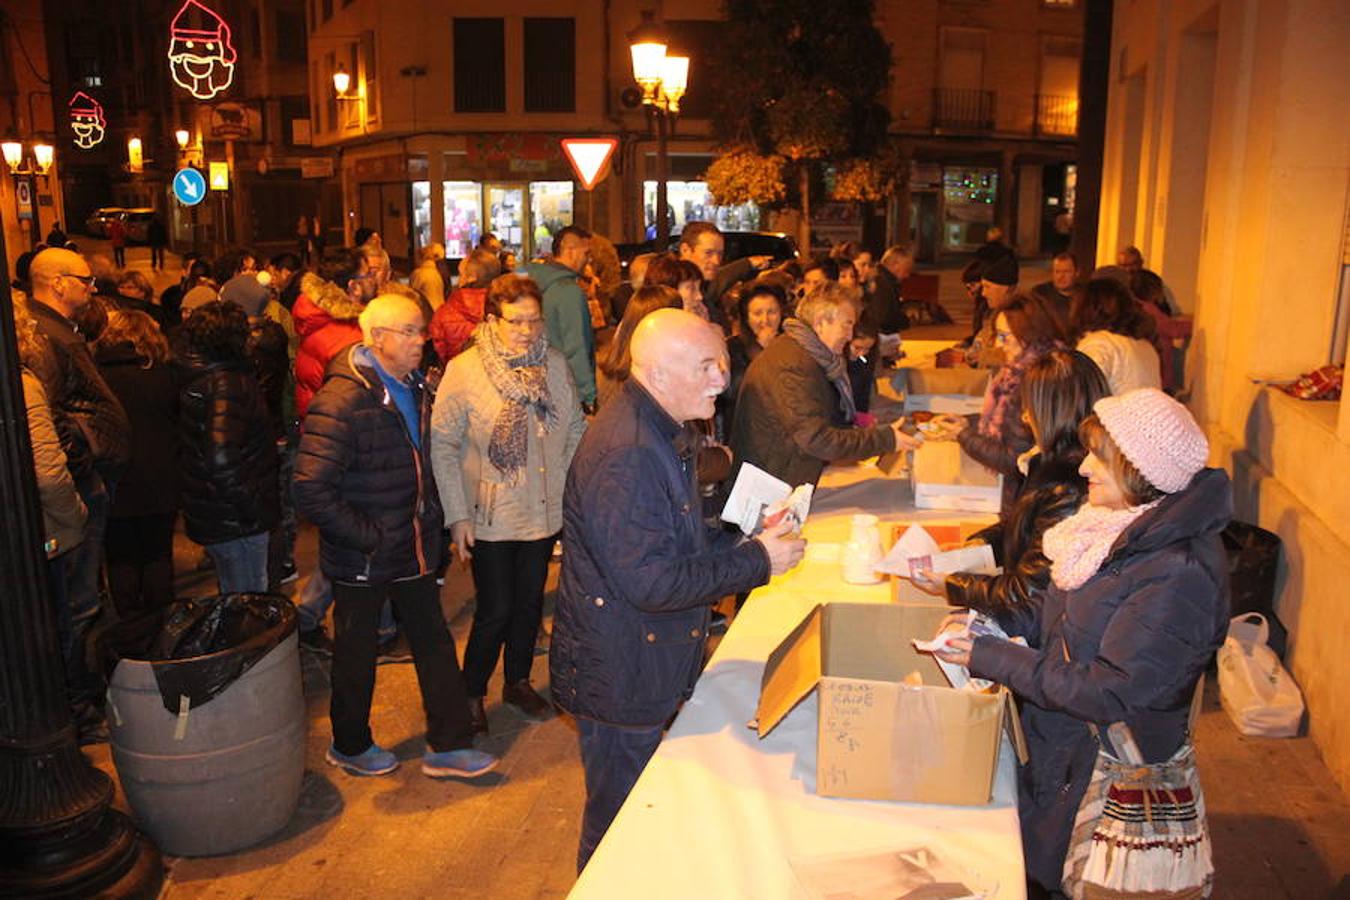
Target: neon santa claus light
pixel 201 56
pixel 86 120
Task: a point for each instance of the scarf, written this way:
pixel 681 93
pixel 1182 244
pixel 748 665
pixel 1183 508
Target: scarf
pixel 1077 546
pixel 836 370
pixel 1004 395
pixel 522 382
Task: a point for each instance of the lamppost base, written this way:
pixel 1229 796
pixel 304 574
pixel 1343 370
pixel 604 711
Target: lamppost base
pixel 112 860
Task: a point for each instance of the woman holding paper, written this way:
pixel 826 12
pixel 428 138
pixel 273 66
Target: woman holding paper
pixel 1026 329
pixel 1058 392
pixel 1137 606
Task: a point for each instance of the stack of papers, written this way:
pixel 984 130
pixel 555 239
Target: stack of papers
pixel 916 549
pixel 759 501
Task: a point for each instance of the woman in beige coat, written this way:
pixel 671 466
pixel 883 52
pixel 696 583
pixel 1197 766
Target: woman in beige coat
pixel 506 422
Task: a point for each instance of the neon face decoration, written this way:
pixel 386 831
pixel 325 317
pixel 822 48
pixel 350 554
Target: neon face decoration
pixel 86 120
pixel 201 56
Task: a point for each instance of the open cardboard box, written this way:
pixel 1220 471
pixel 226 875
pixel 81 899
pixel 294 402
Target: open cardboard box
pixel 959 391
pixel 878 738
pixel 945 477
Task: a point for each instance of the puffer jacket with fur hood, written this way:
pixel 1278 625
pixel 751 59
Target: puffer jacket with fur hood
pixel 325 320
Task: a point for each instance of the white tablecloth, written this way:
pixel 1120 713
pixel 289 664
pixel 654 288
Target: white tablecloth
pixel 720 813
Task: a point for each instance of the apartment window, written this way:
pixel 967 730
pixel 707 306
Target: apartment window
pixel 368 72
pixel 480 65
pixel 326 86
pixel 327 9
pixel 293 108
pixel 255 32
pixel 550 65
pixel 290 36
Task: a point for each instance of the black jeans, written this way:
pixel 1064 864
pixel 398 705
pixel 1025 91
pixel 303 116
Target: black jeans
pixel 613 756
pixel 156 257
pixel 509 578
pixel 356 616
pixel 139 554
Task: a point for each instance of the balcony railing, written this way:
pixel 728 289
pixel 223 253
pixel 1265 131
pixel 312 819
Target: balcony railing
pixel 1057 114
pixel 963 109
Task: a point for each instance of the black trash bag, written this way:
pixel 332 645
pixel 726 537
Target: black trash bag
pixel 1253 562
pixel 205 645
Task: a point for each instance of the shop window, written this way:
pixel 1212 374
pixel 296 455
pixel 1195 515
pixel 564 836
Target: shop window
pixel 463 202
pixel 690 201
pixel 550 211
pixel 550 65
pixel 421 214
pixel 968 206
pixel 480 65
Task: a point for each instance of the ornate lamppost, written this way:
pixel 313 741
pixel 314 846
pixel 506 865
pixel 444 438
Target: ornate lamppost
pixel 663 80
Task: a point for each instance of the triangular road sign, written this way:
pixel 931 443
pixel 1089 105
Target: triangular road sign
pixel 590 158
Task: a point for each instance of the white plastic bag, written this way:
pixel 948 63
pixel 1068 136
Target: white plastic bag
pixel 1256 691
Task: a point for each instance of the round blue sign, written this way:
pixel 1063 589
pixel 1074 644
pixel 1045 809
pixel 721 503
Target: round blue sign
pixel 189 186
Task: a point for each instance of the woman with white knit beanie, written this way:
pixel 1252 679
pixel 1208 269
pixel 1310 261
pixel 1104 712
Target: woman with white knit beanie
pixel 1137 606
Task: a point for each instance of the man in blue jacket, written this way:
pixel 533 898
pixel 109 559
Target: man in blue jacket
pixel 567 318
pixel 640 568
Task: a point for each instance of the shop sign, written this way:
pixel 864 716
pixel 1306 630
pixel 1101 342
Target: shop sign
pixel 316 167
pixel 201 55
pixel 235 121
pixel 23 197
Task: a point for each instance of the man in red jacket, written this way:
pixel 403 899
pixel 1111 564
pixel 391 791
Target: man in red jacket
pixel 325 318
pixel 454 322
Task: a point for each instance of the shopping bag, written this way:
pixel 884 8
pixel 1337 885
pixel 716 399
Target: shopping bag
pixel 1257 693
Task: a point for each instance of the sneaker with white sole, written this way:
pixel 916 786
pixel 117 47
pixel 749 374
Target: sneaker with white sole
pixel 466 763
pixel 374 760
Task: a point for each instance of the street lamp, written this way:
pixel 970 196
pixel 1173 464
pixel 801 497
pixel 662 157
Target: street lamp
pixel 342 81
pixel 182 136
pixel 663 80
pixel 23 171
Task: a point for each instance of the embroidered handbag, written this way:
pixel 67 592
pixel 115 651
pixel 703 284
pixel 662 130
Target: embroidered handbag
pixel 1140 831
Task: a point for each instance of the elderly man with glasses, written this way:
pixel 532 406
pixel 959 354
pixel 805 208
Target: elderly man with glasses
pixel 363 476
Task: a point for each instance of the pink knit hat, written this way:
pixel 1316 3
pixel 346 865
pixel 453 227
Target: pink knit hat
pixel 1157 434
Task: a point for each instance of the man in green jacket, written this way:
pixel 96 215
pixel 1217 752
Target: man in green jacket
pixel 567 318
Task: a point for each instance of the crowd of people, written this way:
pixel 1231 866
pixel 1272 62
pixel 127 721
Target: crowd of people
pixel 493 411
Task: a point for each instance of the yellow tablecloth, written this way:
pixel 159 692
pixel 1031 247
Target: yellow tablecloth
pixel 719 813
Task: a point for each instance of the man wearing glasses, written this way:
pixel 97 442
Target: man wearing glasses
pixel 363 475
pixel 96 436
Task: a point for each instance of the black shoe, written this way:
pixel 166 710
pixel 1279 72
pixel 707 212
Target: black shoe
pixel 478 715
pixel 393 650
pixel 317 641
pixel 717 624
pixel 527 701
pixel 288 573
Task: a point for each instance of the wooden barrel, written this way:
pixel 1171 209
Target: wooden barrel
pixel 225 775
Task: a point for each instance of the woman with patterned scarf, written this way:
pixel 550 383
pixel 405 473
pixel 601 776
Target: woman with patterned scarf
pixel 1026 329
pixel 505 425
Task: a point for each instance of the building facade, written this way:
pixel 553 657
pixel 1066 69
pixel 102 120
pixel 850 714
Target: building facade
pixel 452 115
pixel 248 113
pixel 30 204
pixel 1228 165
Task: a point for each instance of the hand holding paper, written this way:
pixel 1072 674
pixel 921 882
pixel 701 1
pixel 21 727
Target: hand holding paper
pixel 916 551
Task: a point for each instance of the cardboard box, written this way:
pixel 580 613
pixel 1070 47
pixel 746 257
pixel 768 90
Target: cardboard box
pixel 945 477
pixel 958 391
pixel 879 738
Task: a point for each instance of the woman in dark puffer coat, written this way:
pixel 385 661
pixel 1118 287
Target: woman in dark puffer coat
pixel 229 465
pixel 1137 607
pixel 1058 392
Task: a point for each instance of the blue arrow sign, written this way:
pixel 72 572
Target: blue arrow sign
pixel 189 186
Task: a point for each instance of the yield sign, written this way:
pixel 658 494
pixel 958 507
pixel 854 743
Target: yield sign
pixel 589 158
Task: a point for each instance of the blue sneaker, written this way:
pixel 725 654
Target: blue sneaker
pixel 466 763
pixel 374 760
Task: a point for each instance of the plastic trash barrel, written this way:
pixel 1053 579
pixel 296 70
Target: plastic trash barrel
pixel 222 777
